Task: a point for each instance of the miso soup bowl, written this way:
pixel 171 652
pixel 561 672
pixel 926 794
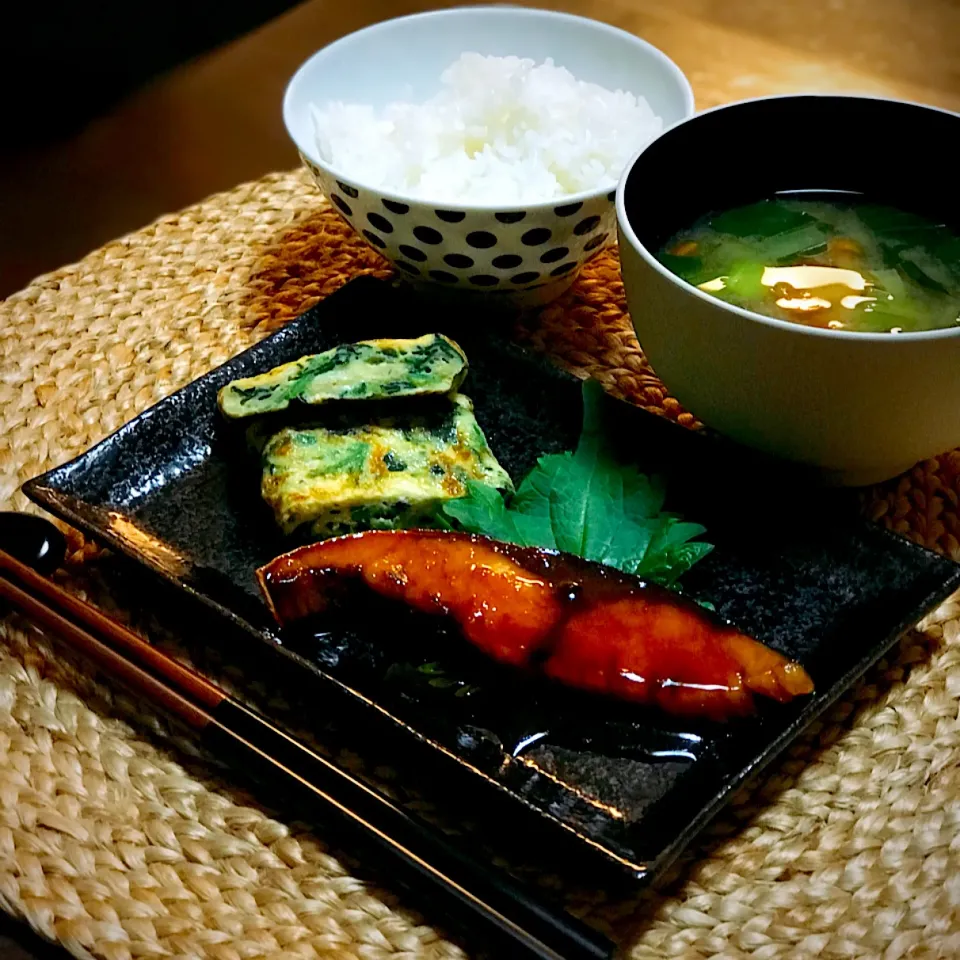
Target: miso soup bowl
pixel 511 254
pixel 857 407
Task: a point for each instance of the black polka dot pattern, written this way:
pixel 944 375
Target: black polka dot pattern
pixel 341 205
pixel 533 238
pixel 481 239
pixel 381 223
pixel 504 253
pixel 428 235
pixel 412 253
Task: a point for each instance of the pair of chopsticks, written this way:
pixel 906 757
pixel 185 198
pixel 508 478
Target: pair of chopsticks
pixel 476 902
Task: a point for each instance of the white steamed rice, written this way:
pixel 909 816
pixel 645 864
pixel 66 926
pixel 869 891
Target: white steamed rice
pixel 502 130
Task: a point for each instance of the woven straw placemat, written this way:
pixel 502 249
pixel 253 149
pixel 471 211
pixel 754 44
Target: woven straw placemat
pixel 119 842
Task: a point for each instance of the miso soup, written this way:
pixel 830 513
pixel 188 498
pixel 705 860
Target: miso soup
pixel 814 259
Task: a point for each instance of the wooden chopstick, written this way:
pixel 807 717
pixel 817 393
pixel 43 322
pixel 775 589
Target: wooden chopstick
pixel 119 647
pixel 475 900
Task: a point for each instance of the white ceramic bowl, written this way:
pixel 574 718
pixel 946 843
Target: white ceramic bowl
pixel 858 407
pixel 521 255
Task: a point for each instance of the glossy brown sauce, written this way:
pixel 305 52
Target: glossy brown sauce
pixel 577 622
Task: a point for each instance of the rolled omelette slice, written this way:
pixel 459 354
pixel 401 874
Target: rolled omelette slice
pixel 367 370
pixel 374 466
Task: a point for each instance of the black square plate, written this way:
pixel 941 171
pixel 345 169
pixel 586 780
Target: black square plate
pixel 793 566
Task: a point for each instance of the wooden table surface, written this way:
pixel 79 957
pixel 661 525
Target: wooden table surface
pixel 215 122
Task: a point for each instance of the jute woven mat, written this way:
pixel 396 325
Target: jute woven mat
pixel 119 842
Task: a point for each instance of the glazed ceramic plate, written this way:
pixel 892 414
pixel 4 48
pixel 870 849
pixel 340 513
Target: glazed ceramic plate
pixel 174 490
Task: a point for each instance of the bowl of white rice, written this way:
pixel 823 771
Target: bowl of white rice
pixel 479 148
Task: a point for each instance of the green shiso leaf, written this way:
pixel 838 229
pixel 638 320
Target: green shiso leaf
pixel 587 504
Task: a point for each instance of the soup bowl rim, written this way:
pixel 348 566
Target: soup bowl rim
pixel 629 234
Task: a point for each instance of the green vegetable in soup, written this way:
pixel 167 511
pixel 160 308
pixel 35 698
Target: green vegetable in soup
pixel 764 219
pixel 842 265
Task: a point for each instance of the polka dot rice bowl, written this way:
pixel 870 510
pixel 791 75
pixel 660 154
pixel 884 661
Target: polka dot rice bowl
pixel 519 255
